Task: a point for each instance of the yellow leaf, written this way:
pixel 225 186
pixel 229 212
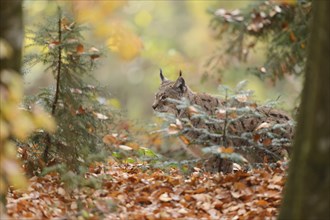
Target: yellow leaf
pixel 134 146
pixel 288 2
pixel 115 103
pixel 124 42
pixel 4 130
pixel 14 83
pixel 22 126
pixel 143 18
pixel 13 172
pixel 5 50
pixel 43 120
pixel 110 6
pixel 3 188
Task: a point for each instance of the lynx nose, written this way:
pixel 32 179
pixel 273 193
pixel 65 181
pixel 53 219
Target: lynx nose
pixel 154 106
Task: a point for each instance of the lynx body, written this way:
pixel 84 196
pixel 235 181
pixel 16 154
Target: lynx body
pixel 251 124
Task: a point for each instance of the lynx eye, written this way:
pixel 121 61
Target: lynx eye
pixel 162 97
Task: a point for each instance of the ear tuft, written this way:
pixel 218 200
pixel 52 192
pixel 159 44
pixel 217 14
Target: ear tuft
pixel 180 73
pixel 161 75
pixel 180 84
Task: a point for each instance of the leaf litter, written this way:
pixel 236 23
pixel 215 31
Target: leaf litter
pixel 129 191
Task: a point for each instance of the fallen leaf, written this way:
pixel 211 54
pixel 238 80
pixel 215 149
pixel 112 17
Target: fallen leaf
pixel 124 147
pixel 262 202
pixel 164 197
pixel 110 139
pixel 226 150
pixel 61 191
pixel 100 116
pixel 184 140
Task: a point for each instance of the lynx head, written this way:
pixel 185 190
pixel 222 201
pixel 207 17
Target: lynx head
pixel 169 90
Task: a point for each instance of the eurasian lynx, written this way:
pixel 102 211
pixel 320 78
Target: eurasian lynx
pixel 240 132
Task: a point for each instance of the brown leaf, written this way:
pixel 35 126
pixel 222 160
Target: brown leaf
pixel 256 137
pixel 293 37
pixel 143 200
pixel 200 190
pixel 277 179
pixel 61 191
pixel 267 142
pixel 204 197
pixel 173 129
pixel 95 53
pixel 52 44
pixel 110 139
pixel 236 195
pixel 226 150
pixel 80 111
pixel 184 140
pixel 188 197
pixel 80 48
pixel 218 205
pixel 221 114
pixel 262 202
pixel 239 186
pixel 134 146
pixel 192 110
pixel 94 56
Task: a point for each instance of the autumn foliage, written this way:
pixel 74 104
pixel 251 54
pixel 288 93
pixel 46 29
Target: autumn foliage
pixel 282 24
pixel 97 164
pixel 138 191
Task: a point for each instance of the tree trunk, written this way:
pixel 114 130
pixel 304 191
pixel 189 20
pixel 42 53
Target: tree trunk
pixel 11 30
pixel 307 192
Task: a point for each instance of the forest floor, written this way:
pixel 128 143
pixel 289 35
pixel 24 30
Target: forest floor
pixel 137 191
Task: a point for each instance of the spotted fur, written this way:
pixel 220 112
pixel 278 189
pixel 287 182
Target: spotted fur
pixel 178 89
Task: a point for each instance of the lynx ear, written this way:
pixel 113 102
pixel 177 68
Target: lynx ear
pixel 161 75
pixel 180 83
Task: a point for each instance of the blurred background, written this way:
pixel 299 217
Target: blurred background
pixel 139 37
